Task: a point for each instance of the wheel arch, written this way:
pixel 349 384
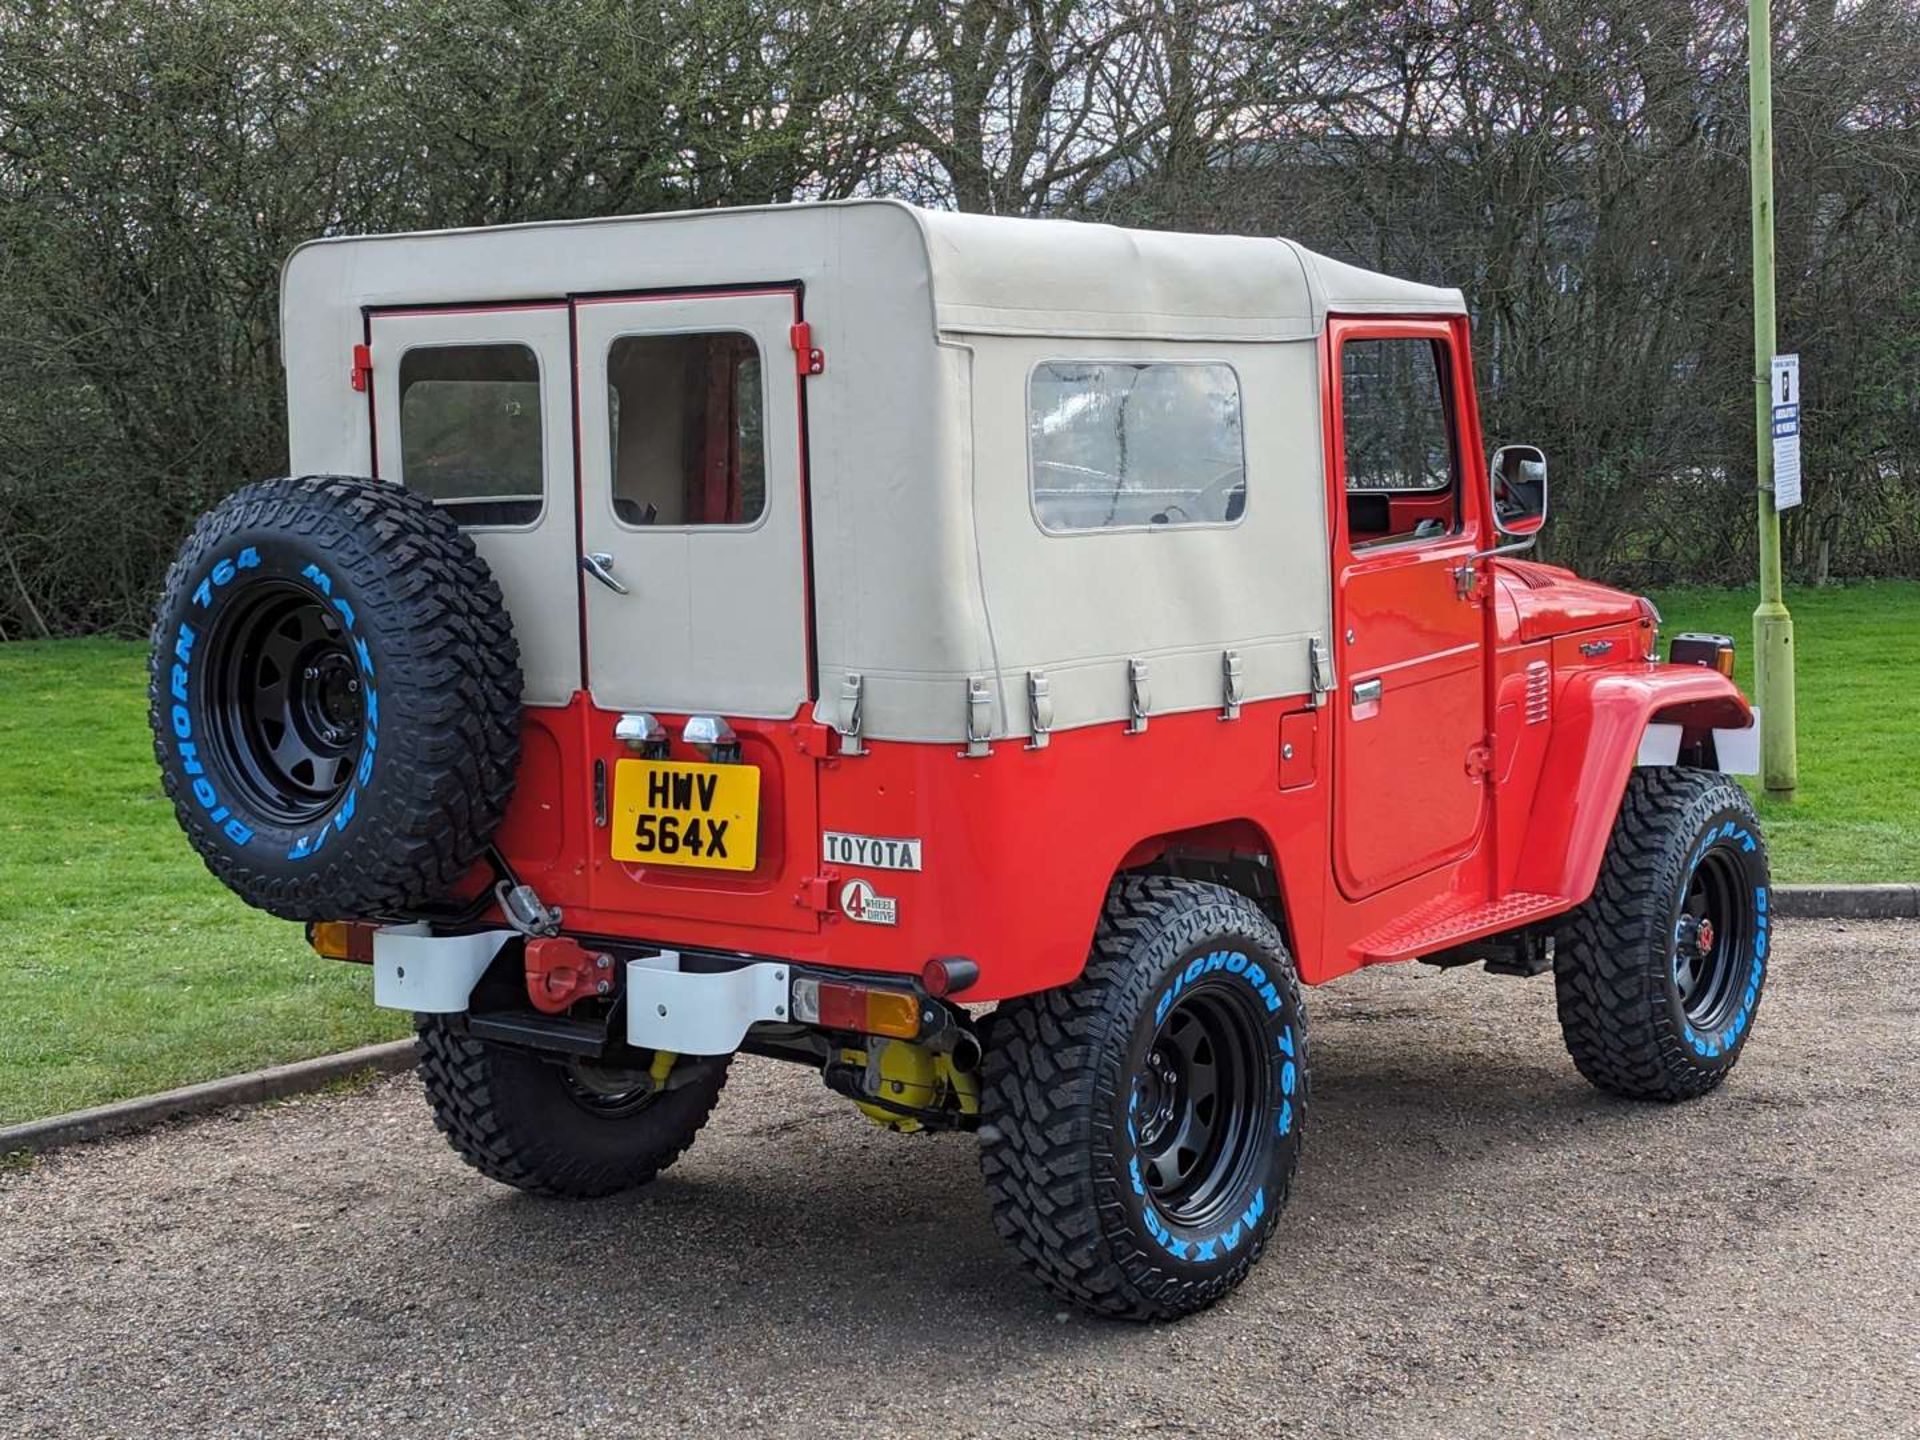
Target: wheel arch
pixel 1236 852
pixel 1601 727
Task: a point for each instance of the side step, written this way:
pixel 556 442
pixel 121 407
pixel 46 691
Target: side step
pixel 1448 921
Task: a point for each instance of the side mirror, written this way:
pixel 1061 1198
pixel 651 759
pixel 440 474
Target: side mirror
pixel 1518 474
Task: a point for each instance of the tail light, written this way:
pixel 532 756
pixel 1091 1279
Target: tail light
pixel 342 940
pixel 863 1009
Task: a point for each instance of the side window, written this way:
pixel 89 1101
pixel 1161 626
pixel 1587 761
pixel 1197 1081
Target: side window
pixel 689 433
pixel 1117 443
pixel 470 431
pixel 1402 473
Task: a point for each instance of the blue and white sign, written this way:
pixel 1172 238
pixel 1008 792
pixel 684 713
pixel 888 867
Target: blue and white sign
pixel 1786 431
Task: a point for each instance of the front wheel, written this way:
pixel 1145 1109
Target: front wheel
pixel 1140 1127
pixel 1659 974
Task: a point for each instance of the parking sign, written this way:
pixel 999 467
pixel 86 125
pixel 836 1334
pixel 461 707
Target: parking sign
pixel 1786 431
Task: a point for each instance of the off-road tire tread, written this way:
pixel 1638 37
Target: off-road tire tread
pixel 1609 952
pixel 1044 1075
pixel 452 724
pixel 464 1086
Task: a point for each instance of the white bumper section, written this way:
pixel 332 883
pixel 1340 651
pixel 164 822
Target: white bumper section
pixel 688 1011
pixel 700 1013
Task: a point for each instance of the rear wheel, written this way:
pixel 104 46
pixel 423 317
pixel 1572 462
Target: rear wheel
pixel 1660 973
pixel 566 1129
pixel 1140 1127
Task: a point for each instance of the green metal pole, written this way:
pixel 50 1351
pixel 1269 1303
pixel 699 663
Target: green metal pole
pixel 1772 625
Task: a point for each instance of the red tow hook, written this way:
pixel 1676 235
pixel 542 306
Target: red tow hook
pixel 561 971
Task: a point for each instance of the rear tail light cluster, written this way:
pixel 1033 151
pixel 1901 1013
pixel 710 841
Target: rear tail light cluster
pixel 864 1009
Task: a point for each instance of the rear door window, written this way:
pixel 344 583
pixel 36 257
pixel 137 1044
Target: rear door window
pixel 470 436
pixel 687 420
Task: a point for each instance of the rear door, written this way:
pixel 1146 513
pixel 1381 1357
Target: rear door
pixel 473 407
pixel 692 510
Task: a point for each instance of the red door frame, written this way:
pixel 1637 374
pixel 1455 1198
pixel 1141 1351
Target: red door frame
pixel 1458 548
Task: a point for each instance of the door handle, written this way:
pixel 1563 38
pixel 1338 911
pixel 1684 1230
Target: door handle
pixel 1368 692
pixel 599 564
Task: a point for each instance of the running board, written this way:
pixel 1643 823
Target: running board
pixel 1441 924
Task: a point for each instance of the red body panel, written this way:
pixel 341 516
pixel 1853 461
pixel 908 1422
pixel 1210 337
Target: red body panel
pixel 1475 793
pixel 1596 737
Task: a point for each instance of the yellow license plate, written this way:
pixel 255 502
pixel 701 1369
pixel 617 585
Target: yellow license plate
pixel 672 812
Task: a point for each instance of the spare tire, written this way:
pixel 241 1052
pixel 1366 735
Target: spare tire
pixel 334 691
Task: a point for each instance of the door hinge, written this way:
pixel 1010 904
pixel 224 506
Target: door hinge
pixel 1480 760
pixel 808 359
pixel 361 375
pixel 1466 579
pixel 816 892
pixel 811 739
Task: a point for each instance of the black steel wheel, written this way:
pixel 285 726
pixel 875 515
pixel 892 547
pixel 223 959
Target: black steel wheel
pixel 1713 937
pixel 1140 1127
pixel 334 691
pixel 1659 975
pixel 289 711
pixel 1190 1107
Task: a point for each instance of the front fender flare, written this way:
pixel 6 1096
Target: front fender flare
pixel 1600 717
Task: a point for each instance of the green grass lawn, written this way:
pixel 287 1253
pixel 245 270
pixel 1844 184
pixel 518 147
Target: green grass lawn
pixel 128 969
pixel 1856 816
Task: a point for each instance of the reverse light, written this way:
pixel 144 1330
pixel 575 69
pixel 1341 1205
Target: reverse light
pixel 342 940
pixel 1715 652
pixel 864 1009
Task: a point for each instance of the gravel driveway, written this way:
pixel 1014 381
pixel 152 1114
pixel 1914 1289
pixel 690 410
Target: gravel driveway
pixel 1481 1245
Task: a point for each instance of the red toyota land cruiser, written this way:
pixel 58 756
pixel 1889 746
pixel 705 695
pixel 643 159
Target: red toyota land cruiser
pixel 993 662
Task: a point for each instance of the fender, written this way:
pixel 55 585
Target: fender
pixel 1600 717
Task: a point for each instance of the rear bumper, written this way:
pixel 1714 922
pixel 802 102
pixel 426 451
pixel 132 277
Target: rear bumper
pixel 704 1012
pixel 701 1012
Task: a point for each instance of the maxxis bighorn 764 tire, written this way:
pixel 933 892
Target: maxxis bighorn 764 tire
pixel 551 1129
pixel 1659 974
pixel 1141 1126
pixel 334 690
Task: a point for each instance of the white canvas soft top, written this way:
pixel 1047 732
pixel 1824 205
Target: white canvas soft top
pixel 933 580
pixel 992 274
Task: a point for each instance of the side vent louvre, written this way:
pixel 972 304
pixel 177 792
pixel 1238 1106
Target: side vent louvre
pixel 1539 691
